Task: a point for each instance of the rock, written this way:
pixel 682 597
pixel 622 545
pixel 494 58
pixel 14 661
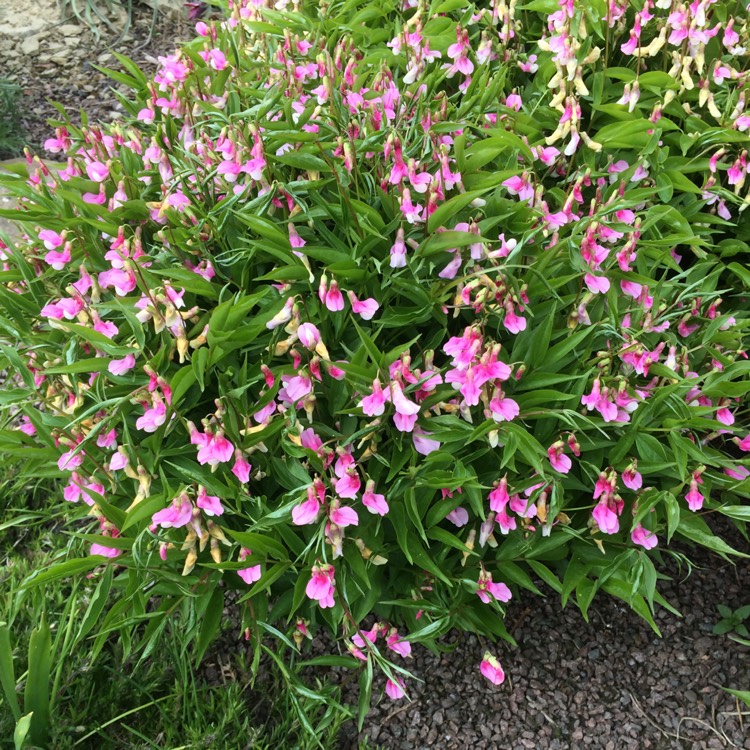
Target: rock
pixel 72 41
pixel 175 7
pixel 30 46
pixel 70 29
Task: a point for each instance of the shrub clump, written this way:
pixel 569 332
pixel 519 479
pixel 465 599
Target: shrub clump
pixel 386 312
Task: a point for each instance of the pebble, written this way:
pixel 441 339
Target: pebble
pixel 601 681
pixel 30 45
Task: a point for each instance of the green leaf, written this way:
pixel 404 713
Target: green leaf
pixel 365 694
pixel 576 571
pixel 546 575
pixel 673 514
pixel 259 543
pixel 96 605
pixel 7 673
pixel 21 732
pixel 450 210
pixel 739 512
pixel 200 363
pixel 37 693
pixel 694 528
pixel 210 625
pixel 64 570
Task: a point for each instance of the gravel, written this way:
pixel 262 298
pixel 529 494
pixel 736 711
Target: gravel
pixel 52 59
pixel 610 683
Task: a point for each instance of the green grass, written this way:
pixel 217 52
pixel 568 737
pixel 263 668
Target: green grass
pixel 119 699
pixel 11 132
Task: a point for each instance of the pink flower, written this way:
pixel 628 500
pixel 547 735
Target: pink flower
pixel 373 501
pixel 374 404
pixel 744 444
pixel 397 644
pixel 250 575
pixel 97 171
pixel 725 416
pixel 77 489
pixel 153 418
pixel 343 516
pixel 106 328
pixel 694 497
pixel 520 186
pixel 178 514
pixel 499 496
pixel 70 461
pixel 371 635
pixel 606 518
pixel 294 239
pixel 514 101
pixel 491 669
pixel 395 689
pixel 349 484
pixel 514 323
pixel 596 284
pixel 487 588
pixel 631 478
pixel 458 516
pixel 398 251
pixel 121 366
pixel 560 462
pixel 58 260
pixel 334 300
pixel 52 240
pixel 321 587
pixel 412 211
pixel 209 504
pixel 364 308
pixel 504 409
pixel 423 443
pixel 522 506
pixel 309 335
pixel 406 411
pixel 740 473
pixel 645 538
pixel 67 307
pixel 545 154
pixel 241 468
pixel 100 549
pixel 296 387
pixel 306 512
pixel 505 522
pixel 119 460
pixel 215 449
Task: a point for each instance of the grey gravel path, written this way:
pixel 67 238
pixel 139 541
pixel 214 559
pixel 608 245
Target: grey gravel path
pixel 610 683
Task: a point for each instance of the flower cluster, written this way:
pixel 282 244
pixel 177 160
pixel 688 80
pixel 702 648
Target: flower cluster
pixel 346 309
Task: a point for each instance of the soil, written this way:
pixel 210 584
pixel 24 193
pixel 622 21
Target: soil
pixel 609 684
pixel 52 58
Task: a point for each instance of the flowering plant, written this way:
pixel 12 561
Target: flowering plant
pixel 393 320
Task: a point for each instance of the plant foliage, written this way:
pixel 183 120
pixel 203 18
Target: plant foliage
pixel 386 312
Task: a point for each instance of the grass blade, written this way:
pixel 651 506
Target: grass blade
pixel 36 697
pixel 7 675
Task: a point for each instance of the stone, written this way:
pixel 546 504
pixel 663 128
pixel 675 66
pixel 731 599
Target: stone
pixel 70 29
pixel 30 46
pixel 175 7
